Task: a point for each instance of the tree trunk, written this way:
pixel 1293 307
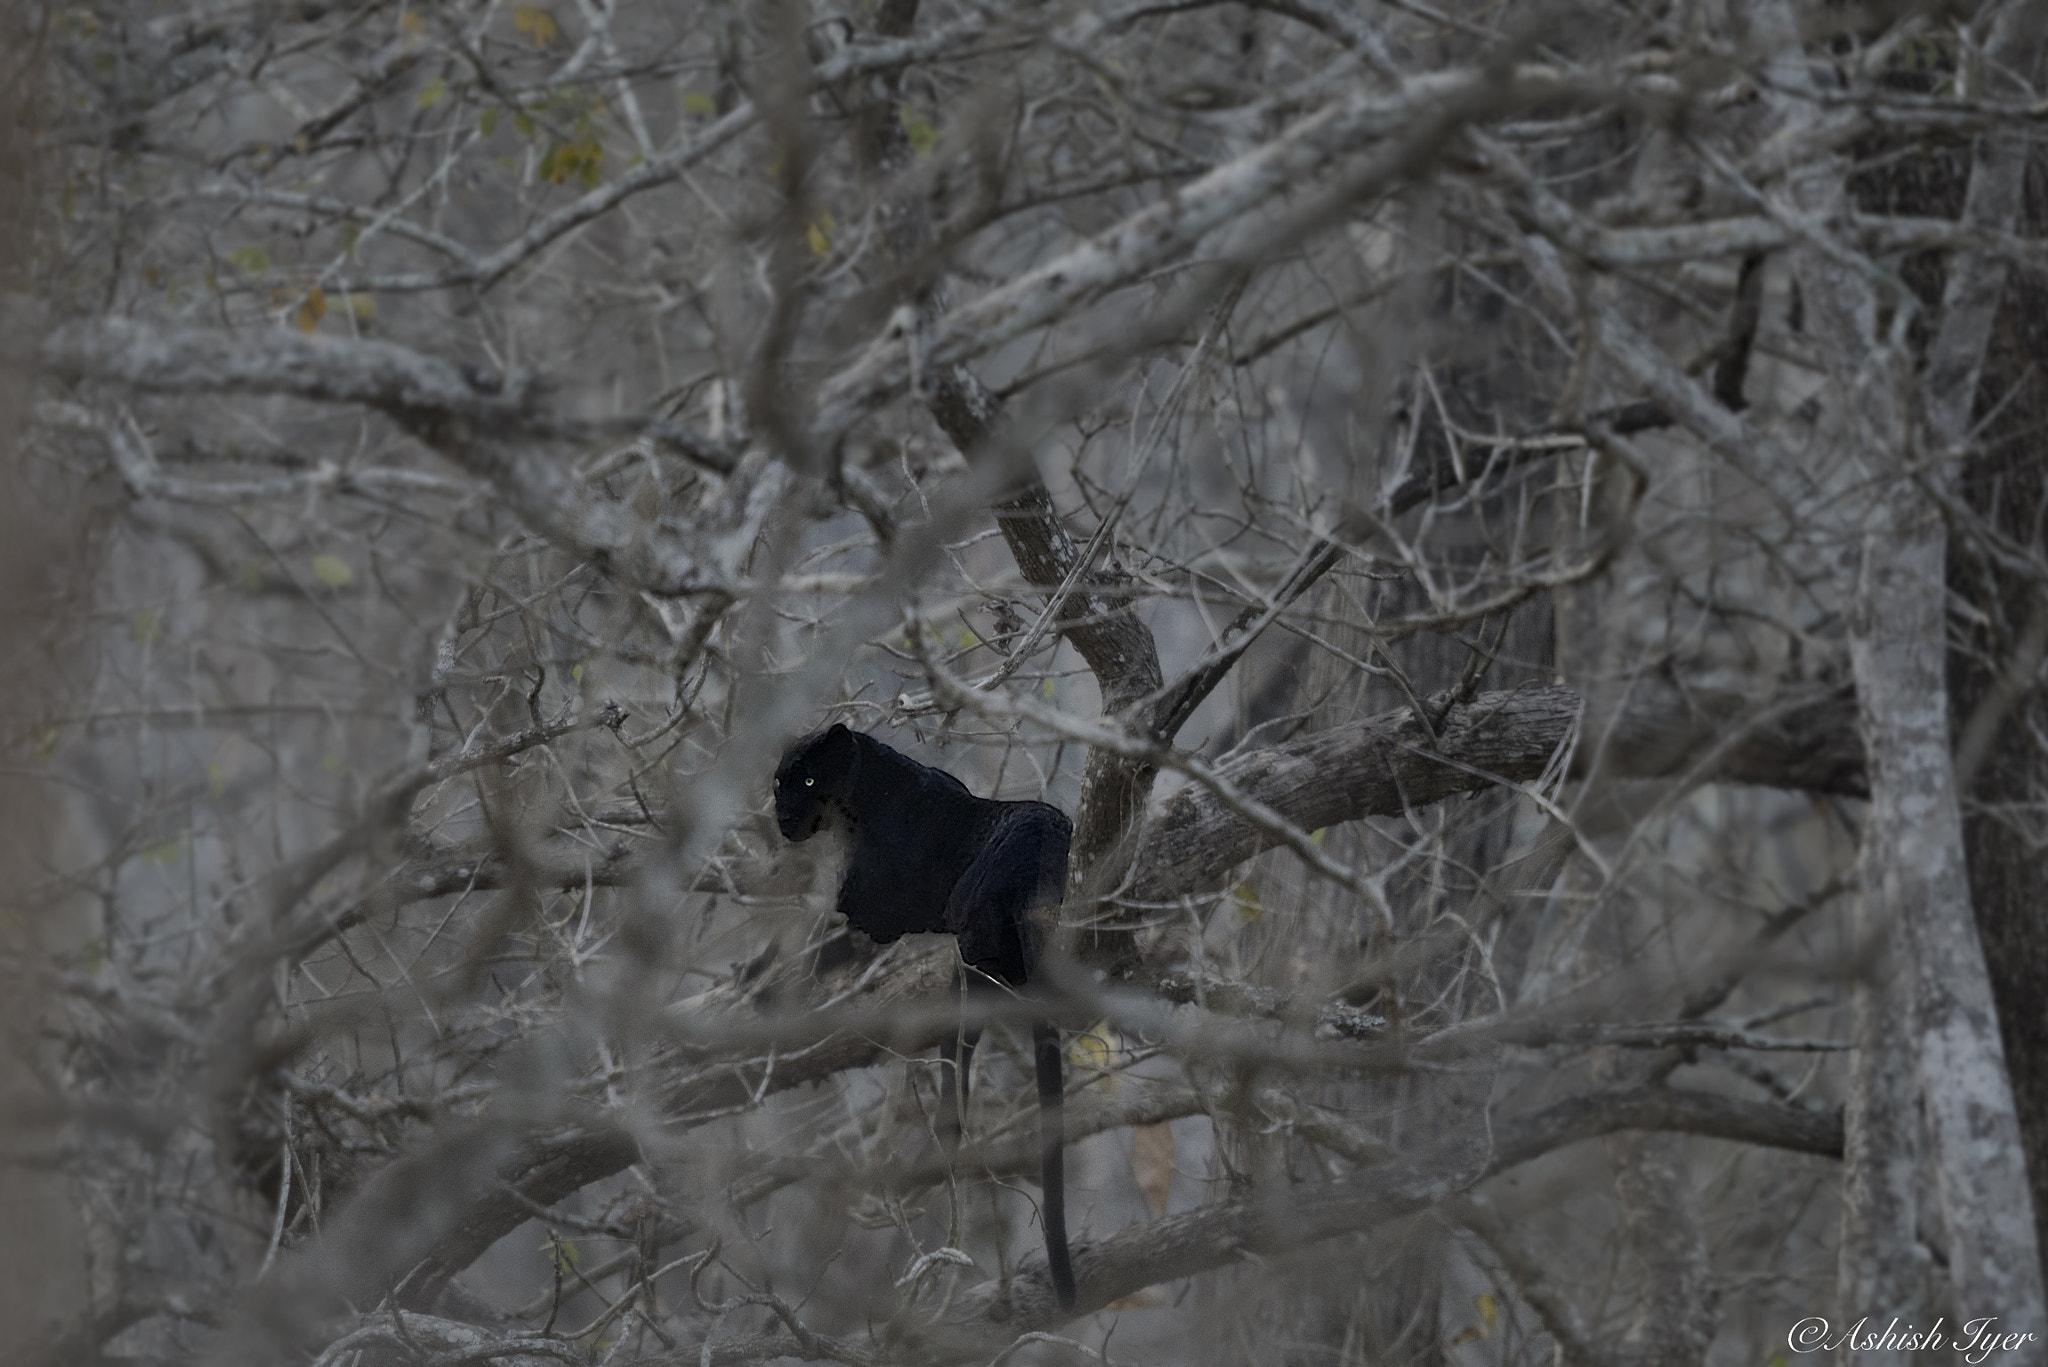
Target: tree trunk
pixel 1913 859
pixel 2007 865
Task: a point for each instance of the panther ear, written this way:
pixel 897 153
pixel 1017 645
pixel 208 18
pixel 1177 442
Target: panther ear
pixel 839 751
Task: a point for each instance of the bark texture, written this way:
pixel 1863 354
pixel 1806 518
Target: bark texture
pixel 1386 764
pixel 1993 675
pixel 1913 858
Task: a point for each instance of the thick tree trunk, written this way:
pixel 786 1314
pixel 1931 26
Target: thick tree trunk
pixel 1994 1252
pixel 1877 1274
pixel 2007 867
pixel 1914 872
pixel 2008 488
pixel 1913 860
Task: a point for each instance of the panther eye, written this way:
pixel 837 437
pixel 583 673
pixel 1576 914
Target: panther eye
pixel 810 783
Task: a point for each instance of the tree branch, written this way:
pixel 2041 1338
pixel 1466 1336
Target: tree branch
pixel 1384 765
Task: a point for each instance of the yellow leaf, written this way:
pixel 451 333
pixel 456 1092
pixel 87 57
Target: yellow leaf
pixel 1046 688
pixel 311 309
pixel 561 163
pixel 698 104
pixel 1489 1309
pixel 576 673
pixel 1091 1050
pixel 333 571
pixel 46 744
pixel 331 763
pixel 1315 837
pixel 1150 1298
pixel 1247 899
pixel 430 94
pixel 166 853
pixel 363 306
pixel 536 23
pixel 148 627
pixel 216 780
pixel 410 22
pixel 1152 1163
pixel 250 260
pixel 819 235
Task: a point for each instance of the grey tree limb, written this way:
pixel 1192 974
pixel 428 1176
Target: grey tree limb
pixel 1384 765
pixel 983 1317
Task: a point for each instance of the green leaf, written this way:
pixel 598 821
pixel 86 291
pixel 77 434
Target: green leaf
pixel 333 571
pixel 148 626
pixel 918 129
pixel 584 160
pixel 1247 898
pixel 166 853
pixel 488 124
pixel 430 94
pixel 697 104
pixel 250 260
pixel 522 122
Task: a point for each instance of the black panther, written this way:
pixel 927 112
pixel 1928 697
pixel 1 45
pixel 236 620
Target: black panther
pixel 929 856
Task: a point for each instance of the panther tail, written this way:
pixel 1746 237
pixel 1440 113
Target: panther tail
pixel 1052 1137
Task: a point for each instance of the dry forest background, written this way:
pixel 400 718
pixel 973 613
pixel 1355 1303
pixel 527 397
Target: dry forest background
pixel 1516 530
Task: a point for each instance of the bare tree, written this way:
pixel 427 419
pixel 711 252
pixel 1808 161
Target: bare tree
pixel 1514 532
